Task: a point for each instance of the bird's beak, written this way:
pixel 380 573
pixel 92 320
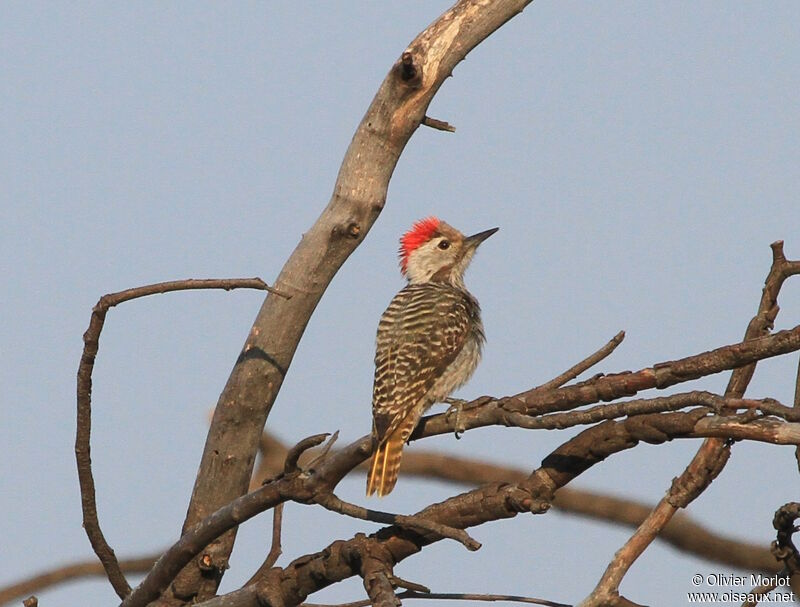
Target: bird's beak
pixel 476 239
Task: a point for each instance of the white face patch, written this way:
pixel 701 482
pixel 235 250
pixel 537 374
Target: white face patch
pixel 430 257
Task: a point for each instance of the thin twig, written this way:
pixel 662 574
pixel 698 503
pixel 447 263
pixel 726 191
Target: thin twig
pixel 275 550
pixel 290 465
pixel 598 413
pixel 451 596
pixel 335 504
pixel 439 125
pixel 459 596
pixel 323 452
pixel 585 364
pixel 399 582
pixel 91 340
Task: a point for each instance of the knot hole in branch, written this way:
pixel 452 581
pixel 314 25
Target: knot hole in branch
pixel 410 73
pixel 350 230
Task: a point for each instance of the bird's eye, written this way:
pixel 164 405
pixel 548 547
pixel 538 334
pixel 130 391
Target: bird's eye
pixel 444 245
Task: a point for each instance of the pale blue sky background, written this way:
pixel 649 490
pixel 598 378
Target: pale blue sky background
pixel 639 159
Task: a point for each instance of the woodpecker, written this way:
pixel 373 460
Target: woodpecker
pixel 429 340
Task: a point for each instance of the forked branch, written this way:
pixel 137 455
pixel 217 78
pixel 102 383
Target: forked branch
pixel 713 454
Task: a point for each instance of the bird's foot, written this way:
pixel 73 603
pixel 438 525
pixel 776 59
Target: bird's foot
pixel 456 406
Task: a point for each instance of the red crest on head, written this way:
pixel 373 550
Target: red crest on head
pixel 420 232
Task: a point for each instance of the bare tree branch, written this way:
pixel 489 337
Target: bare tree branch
pixel 332 469
pixel 713 454
pixel 459 512
pixel 682 533
pixel 486 411
pixel 292 584
pixel 91 341
pixel 452 596
pixel 468 596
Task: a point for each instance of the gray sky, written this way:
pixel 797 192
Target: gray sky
pixel 639 159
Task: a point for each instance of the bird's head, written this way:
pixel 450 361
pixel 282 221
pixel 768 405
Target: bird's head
pixel 435 251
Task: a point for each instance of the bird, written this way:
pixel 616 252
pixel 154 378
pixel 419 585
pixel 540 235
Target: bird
pixel 429 340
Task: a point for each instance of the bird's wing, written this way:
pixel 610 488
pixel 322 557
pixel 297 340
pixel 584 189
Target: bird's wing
pixel 420 334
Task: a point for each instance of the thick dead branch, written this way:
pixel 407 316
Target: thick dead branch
pixel 358 197
pixel 375 568
pixel 91 343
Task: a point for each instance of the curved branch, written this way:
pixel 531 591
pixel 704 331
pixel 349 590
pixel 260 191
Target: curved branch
pixel 91 343
pixel 72 571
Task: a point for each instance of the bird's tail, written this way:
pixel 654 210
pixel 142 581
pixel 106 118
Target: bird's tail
pixel 385 465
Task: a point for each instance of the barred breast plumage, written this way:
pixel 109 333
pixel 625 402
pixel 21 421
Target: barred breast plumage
pixel 429 344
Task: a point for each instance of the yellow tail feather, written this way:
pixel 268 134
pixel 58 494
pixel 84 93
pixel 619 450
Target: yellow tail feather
pixel 385 465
